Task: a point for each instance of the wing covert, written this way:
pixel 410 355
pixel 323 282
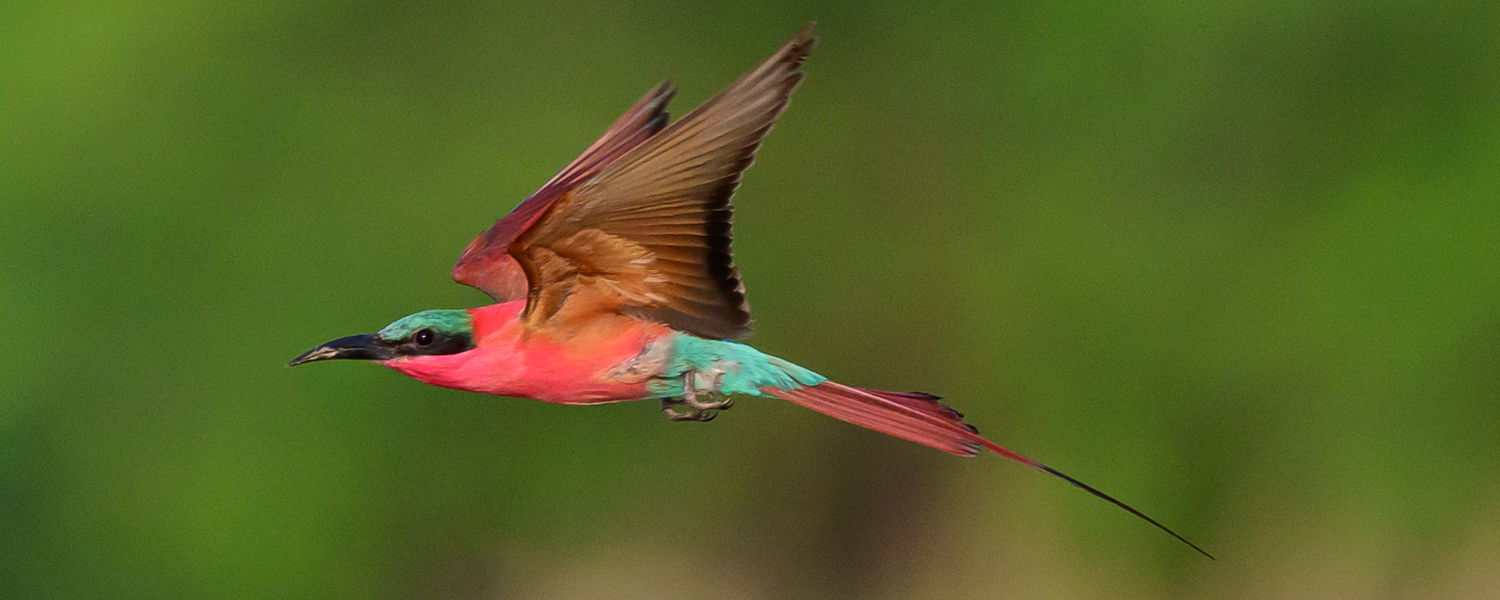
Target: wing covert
pixel 487 264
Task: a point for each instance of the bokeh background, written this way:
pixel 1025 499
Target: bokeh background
pixel 1236 265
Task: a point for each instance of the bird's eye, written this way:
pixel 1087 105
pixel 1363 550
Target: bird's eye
pixel 424 337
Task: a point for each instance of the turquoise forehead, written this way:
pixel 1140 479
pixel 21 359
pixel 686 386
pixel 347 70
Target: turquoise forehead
pixel 455 320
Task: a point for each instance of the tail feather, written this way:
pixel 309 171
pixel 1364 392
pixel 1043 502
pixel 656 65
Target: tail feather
pixel 923 419
pixel 908 415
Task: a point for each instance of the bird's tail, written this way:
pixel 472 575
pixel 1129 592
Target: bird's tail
pixel 923 419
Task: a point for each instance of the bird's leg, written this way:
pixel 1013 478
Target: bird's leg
pixel 691 408
pixel 719 401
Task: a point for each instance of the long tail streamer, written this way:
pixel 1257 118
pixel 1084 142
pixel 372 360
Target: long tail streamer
pixel 921 418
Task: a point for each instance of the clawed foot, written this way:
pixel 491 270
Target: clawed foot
pixel 675 411
pixel 690 408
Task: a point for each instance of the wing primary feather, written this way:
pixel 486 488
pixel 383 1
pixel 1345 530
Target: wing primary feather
pixel 641 222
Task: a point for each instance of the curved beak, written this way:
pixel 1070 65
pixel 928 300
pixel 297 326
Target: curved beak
pixel 365 346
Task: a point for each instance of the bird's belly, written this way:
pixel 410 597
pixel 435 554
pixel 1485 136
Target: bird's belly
pixel 548 374
pixel 577 388
pixel 594 372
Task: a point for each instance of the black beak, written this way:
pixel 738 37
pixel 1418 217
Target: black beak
pixel 365 346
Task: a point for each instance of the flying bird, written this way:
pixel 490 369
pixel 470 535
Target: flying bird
pixel 614 282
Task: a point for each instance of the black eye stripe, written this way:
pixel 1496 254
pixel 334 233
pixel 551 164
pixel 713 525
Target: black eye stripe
pixel 428 342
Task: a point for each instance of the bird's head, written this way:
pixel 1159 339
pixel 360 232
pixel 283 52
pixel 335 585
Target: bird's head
pixel 427 333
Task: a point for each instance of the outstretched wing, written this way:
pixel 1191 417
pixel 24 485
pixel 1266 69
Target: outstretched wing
pixel 487 264
pixel 649 234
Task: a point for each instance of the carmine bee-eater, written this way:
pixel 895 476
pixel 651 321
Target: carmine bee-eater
pixel 615 282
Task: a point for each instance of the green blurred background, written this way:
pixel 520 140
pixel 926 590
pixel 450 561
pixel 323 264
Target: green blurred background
pixel 1237 265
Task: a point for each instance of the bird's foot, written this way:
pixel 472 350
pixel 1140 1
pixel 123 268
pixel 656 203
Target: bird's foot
pixel 689 407
pixel 722 403
pixel 677 410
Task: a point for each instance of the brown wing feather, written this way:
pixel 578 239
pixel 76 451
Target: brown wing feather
pixel 649 235
pixel 487 264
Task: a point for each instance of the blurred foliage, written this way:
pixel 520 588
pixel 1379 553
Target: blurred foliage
pixel 1236 265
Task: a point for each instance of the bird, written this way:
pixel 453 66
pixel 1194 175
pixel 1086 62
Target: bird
pixel 615 282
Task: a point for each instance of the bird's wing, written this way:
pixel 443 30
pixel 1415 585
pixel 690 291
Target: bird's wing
pixel 649 234
pixel 487 264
